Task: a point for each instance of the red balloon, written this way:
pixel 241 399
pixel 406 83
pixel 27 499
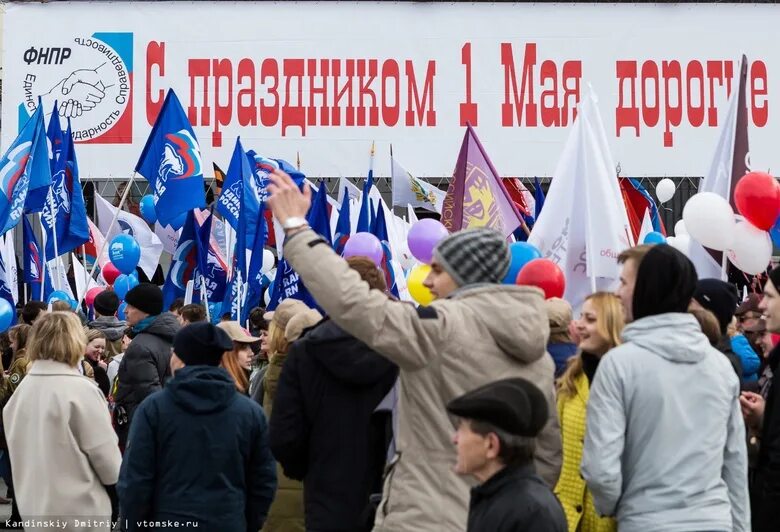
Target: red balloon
pixel 757 197
pixel 92 293
pixel 110 273
pixel 544 274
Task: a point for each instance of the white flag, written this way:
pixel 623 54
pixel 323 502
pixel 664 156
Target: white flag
pixel 410 190
pixel 11 276
pixel 168 236
pixel 717 180
pixel 80 275
pixel 151 246
pixel 59 275
pixel 647 227
pixel 584 225
pixel 411 214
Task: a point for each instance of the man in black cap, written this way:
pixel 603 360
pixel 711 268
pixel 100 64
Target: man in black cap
pixel 145 366
pixel 105 306
pixel 496 430
pixel 720 298
pixel 198 452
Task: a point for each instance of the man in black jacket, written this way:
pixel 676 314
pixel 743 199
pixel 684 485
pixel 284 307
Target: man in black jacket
pixel 496 429
pixel 764 417
pixel 198 456
pixel 324 428
pixel 145 366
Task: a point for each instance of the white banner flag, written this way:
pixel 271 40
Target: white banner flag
pixel 584 225
pixel 11 276
pixel 410 190
pixel 130 224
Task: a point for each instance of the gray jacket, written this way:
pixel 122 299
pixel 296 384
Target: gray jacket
pixel 665 444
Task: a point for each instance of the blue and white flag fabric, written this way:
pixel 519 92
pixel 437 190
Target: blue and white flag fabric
pixel 172 164
pixel 65 213
pixel 24 168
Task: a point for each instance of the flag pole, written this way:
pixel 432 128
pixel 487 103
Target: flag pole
pixel 45 262
pixel 112 224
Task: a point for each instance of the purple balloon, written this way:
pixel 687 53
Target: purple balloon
pixel 423 238
pixel 364 245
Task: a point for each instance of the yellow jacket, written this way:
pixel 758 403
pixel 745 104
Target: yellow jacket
pixel 571 490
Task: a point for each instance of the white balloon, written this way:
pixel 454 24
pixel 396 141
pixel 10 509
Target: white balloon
pixel 681 243
pixel 664 190
pixel 751 249
pixel 709 219
pixel 679 228
pixel 267 297
pixel 268 261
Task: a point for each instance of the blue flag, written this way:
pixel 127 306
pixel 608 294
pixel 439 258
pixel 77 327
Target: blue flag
pixel 34 272
pixel 343 225
pixel 235 289
pixel 380 231
pixel 538 198
pixel 5 290
pixel 183 263
pixel 255 275
pixel 288 284
pixel 56 138
pixel 256 189
pixel 364 220
pixel 24 168
pixel 229 201
pixel 654 216
pixel 172 164
pixel 210 268
pixel 318 217
pixel 65 209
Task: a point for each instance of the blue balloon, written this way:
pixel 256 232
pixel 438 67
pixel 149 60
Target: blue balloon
pixel 123 284
pixel 58 295
pixel 654 237
pixel 215 311
pixel 522 253
pixel 120 312
pixel 134 275
pixel 124 253
pixel 148 212
pixel 774 232
pixel 73 303
pixel 6 315
pixel 178 222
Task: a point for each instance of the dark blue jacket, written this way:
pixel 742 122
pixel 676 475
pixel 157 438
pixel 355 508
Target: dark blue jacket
pixel 561 352
pixel 198 451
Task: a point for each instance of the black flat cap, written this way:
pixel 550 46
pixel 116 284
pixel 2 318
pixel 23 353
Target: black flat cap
pixel 515 406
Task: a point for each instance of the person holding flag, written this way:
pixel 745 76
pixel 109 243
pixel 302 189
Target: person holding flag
pixel 478 331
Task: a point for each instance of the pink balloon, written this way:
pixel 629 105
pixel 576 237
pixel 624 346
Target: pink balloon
pixel 92 293
pixel 364 245
pixel 423 238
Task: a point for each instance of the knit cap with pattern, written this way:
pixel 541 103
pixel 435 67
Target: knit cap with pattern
pixel 474 256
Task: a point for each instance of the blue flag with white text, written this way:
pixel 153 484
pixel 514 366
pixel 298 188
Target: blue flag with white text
pixel 183 263
pixel 34 272
pixel 172 163
pixel 343 225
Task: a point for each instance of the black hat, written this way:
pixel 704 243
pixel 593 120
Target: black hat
pixel 719 297
pixel 147 298
pixel 515 406
pixel 665 282
pixel 201 344
pixel 106 303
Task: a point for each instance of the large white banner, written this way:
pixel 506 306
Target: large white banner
pixel 325 79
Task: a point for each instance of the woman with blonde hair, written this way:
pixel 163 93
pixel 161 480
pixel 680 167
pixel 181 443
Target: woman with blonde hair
pixel 64 452
pixel 599 328
pixel 93 357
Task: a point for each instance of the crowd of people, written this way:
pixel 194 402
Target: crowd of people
pixel 489 410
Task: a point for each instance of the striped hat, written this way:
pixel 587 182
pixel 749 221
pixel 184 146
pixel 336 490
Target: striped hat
pixel 474 256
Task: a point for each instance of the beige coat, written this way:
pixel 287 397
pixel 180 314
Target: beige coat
pixel 62 446
pixel 481 334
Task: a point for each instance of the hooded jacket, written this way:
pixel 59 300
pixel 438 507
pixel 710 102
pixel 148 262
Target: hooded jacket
pixel 145 366
pixel 321 424
pixel 198 451
pixel 479 334
pixel 114 329
pixel 766 485
pixel 665 444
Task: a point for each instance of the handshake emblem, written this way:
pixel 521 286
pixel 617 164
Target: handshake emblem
pixel 79 92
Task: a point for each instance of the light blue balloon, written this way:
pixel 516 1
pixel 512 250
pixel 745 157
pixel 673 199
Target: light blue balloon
pixel 522 253
pixel 123 284
pixel 58 295
pixel 147 209
pixel 124 253
pixel 120 312
pixel 774 232
pixel 6 315
pixel 654 237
